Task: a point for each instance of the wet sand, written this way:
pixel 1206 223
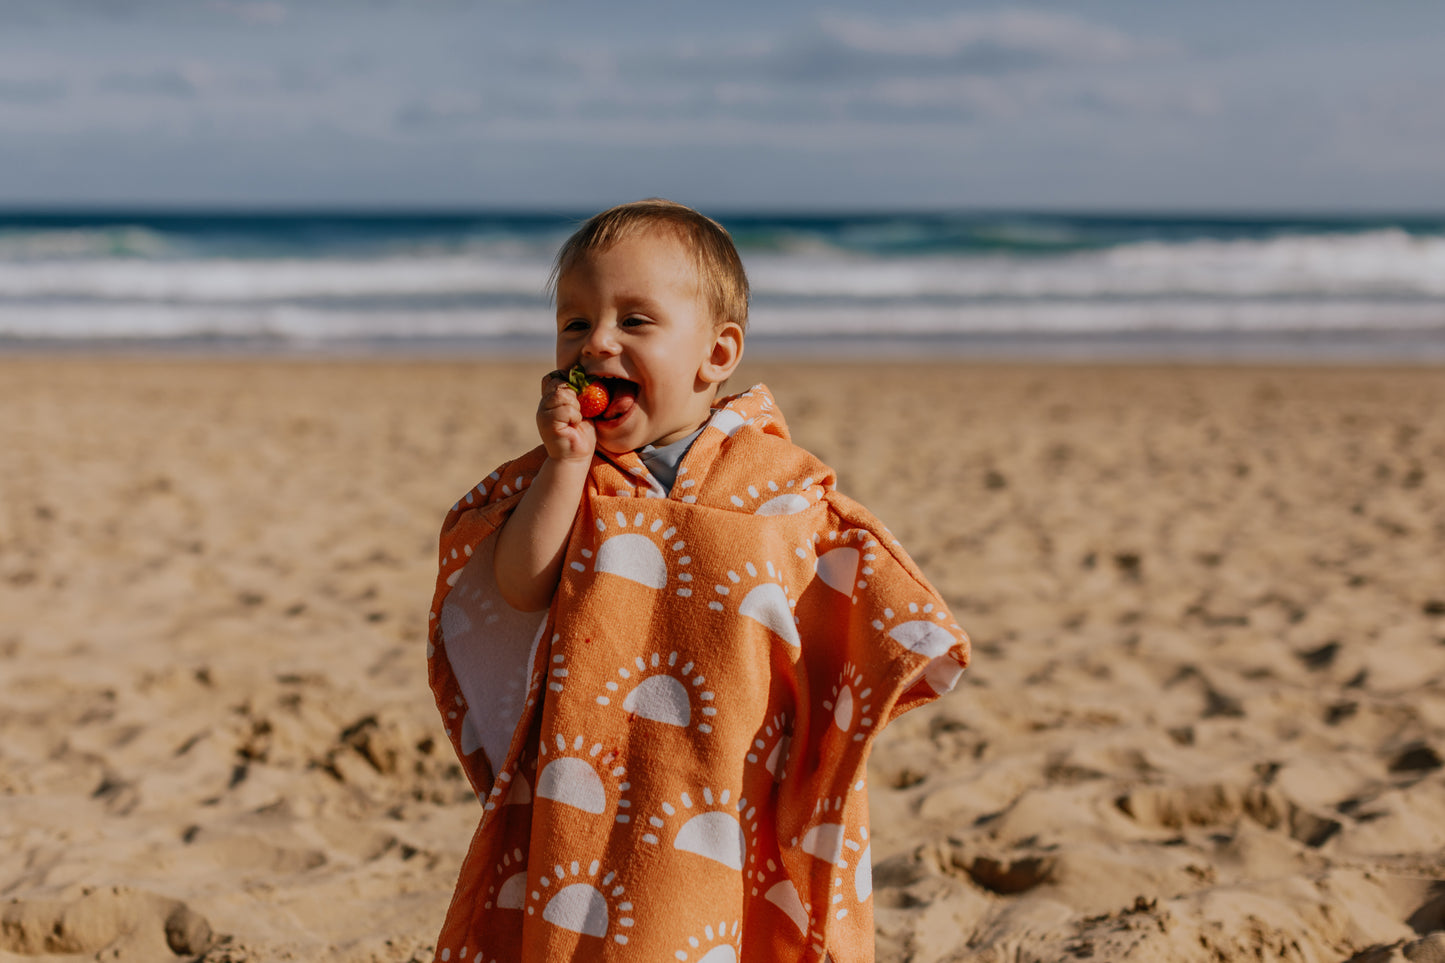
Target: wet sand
pixel 1206 718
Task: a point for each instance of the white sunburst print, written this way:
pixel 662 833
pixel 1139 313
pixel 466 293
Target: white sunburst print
pixel 727 420
pixel 510 789
pixel 778 890
pixel 557 674
pixel 584 775
pixel 509 889
pixel 926 630
pixel 490 648
pixel 660 689
pixel 705 822
pixel 513 783
pixel 849 852
pixel 845 560
pixel 572 897
pixel 853 883
pixel 823 839
pixel 829 841
pixel 508 488
pixel 771 745
pixel 770 498
pixel 852 712
pixel 766 601
pixel 919 630
pixel 647 485
pixel 715 944
pixel 636 549
pixel 753 871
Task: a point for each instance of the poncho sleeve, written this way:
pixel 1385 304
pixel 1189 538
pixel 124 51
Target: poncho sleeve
pixel 480 651
pixel 878 641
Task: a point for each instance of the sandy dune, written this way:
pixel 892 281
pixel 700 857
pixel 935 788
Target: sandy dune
pixel 1206 719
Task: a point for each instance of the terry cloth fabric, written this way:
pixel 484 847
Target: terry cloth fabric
pixel 671 759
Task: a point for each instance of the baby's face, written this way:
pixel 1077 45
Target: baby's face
pixel 635 315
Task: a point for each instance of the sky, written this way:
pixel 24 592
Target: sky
pixel 1122 105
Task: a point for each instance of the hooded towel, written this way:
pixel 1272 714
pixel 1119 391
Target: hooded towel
pixel 671 759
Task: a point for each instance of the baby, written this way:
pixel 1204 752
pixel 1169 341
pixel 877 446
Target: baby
pixel 662 642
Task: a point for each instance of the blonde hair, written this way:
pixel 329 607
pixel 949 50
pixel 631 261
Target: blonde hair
pixel 719 269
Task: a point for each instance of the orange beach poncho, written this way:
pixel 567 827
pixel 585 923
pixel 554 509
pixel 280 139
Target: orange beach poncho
pixel 671 759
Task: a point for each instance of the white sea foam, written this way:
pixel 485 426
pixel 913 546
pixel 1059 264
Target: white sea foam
pixel 1382 262
pixel 288 322
pixel 1383 280
pixel 305 325
pixel 1084 317
pixel 239 280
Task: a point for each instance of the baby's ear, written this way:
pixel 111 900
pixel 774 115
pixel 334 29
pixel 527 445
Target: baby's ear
pixel 727 351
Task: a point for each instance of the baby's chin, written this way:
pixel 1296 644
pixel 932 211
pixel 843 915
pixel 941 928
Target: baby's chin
pixel 609 449
pixel 617 447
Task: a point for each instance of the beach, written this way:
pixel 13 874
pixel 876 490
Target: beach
pixel 1205 719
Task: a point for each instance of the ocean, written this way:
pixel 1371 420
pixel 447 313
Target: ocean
pixel 870 285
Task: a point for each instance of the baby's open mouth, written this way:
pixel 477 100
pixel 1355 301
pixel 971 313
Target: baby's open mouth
pixel 622 395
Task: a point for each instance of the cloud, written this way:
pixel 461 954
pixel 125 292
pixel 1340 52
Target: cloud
pixel 251 11
pixel 32 90
pixel 182 80
pixel 850 50
pixel 962 69
pixel 440 110
pixel 972 44
pixel 999 37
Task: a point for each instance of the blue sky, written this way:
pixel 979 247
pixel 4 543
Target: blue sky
pixel 1146 105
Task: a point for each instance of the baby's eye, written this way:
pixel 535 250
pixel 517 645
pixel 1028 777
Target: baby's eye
pixel 633 322
pixel 576 324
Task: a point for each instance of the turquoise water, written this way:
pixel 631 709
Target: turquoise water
pixel 899 283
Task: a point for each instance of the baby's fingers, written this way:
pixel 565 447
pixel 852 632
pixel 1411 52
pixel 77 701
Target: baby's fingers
pixel 556 392
pixel 559 407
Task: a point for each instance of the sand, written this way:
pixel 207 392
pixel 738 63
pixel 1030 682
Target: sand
pixel 1206 719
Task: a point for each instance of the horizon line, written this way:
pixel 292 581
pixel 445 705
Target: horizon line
pixel 111 211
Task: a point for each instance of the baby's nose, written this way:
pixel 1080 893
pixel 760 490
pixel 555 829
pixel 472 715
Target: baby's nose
pixel 601 341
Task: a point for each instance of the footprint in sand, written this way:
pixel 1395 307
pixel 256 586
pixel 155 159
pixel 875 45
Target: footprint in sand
pixel 1218 804
pixel 127 924
pixel 1009 877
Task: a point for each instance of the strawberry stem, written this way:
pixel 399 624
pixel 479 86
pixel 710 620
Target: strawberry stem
pixel 578 378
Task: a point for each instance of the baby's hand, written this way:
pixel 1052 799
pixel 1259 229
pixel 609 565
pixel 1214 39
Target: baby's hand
pixel 566 435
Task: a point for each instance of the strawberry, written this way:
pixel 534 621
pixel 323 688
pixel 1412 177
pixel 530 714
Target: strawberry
pixel 593 399
pixel 591 393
